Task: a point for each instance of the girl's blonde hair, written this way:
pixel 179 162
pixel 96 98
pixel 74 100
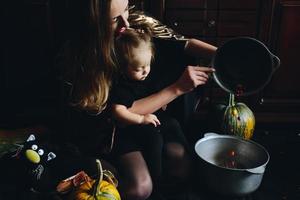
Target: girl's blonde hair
pixel 129 39
pixel 90 59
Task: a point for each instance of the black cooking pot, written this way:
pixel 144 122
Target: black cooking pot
pixel 231 165
pixel 244 66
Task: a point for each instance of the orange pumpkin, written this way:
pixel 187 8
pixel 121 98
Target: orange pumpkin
pixel 98 189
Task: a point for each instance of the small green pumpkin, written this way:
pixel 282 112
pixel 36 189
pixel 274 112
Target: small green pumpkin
pixel 238 119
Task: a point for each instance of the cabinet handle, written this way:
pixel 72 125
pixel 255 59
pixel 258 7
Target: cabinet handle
pixel 176 24
pixel 262 101
pixel 211 23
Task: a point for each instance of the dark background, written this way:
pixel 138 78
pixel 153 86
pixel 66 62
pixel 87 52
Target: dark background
pixel 33 31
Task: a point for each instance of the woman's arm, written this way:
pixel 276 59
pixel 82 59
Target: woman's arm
pixel 192 77
pixel 196 47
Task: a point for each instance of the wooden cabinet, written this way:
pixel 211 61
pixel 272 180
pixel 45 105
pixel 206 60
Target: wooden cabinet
pixel 280 100
pixel 274 22
pixel 214 20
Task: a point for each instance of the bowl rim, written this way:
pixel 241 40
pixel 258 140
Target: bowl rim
pixel 212 135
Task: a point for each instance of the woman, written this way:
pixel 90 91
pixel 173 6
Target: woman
pixel 90 69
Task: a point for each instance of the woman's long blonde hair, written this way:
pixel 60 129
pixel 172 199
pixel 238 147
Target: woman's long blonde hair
pixel 90 59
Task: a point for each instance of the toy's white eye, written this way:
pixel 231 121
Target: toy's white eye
pixel 34 147
pixel 41 152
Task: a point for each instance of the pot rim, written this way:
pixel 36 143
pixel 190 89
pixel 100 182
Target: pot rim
pixel 243 38
pixel 212 135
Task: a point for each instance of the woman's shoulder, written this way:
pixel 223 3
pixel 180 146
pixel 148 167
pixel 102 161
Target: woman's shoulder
pixel 160 31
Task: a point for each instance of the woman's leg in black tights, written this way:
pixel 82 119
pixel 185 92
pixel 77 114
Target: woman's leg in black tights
pixel 152 147
pixel 177 160
pixel 135 181
pixel 138 169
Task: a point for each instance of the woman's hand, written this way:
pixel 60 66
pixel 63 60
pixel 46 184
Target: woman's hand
pixel 150 119
pixel 192 77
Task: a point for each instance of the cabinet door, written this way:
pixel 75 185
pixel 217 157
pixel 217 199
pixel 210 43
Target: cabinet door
pixel 237 23
pixel 237 4
pixel 192 4
pixel 283 92
pixel 192 23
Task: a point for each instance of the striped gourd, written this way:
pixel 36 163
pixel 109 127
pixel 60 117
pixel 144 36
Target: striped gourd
pixel 238 119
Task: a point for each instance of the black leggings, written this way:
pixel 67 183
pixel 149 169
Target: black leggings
pixel 149 140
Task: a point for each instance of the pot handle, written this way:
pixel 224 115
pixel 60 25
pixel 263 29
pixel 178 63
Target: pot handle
pixel 258 170
pixel 206 135
pixel 276 62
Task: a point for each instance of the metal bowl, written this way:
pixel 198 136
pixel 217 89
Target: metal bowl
pixel 231 165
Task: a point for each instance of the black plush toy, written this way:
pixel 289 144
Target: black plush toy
pixel 28 170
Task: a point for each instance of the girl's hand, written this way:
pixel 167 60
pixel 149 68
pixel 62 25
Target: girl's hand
pixel 192 77
pixel 150 119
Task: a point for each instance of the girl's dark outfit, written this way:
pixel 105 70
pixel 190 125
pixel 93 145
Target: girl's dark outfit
pixel 131 138
pixel 147 139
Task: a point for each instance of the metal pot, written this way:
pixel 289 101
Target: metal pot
pixel 244 66
pixel 231 165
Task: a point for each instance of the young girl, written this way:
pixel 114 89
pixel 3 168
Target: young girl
pixel 147 137
pixel 135 52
